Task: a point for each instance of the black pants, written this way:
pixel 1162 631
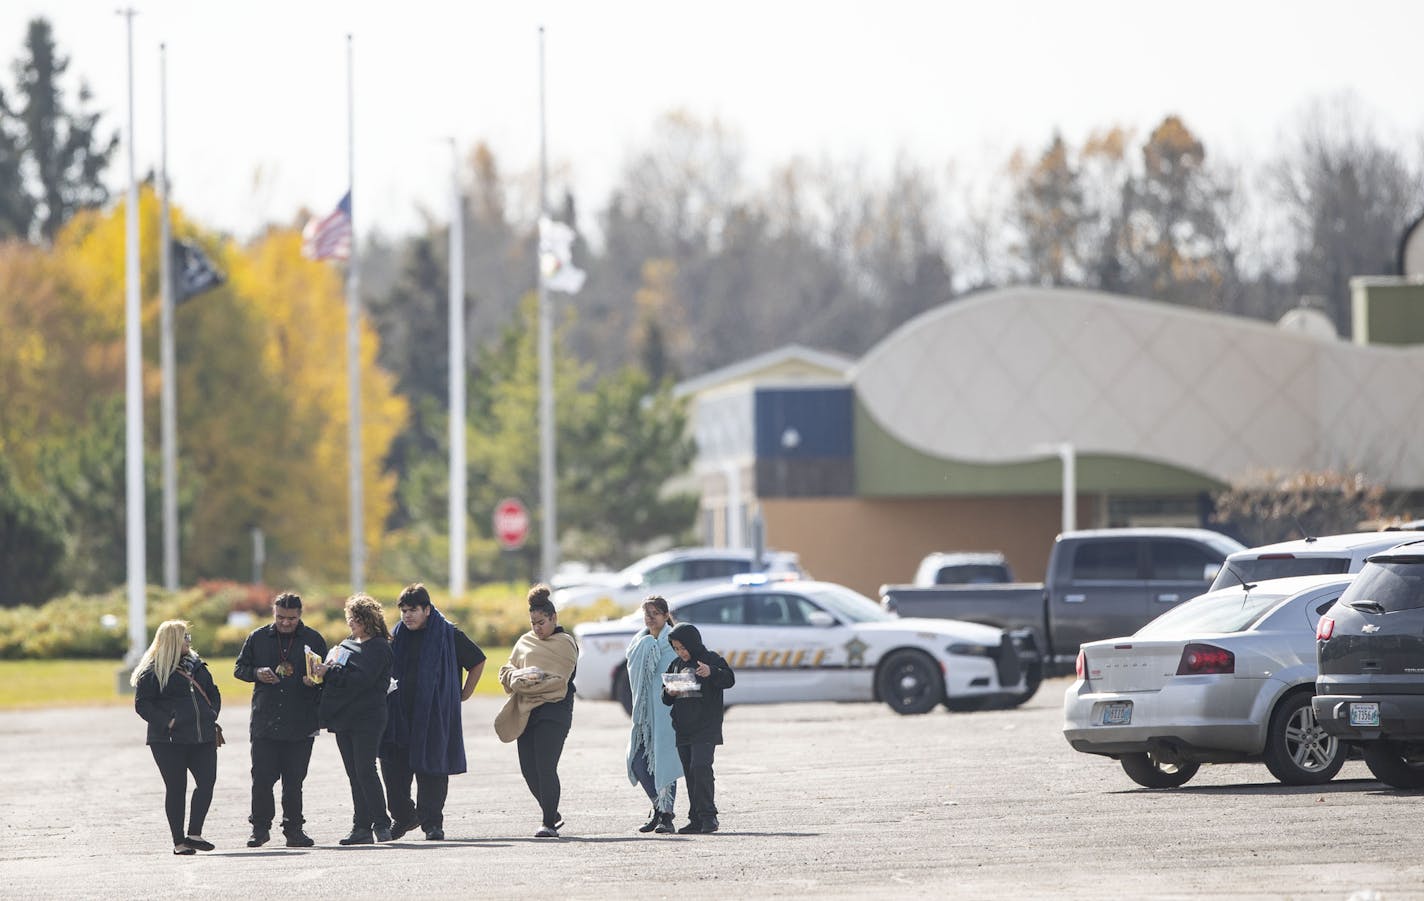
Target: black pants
pixel 175 762
pixel 540 748
pixel 429 807
pixel 273 760
pixel 358 754
pixel 701 784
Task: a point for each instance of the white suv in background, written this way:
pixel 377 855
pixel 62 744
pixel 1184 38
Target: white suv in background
pixel 673 572
pixel 1323 555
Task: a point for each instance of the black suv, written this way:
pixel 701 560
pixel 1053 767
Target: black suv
pixel 1370 645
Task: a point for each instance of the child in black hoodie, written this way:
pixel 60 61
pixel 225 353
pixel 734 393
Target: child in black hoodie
pixel 697 720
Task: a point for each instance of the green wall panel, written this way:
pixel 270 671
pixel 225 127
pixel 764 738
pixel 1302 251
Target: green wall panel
pixel 886 467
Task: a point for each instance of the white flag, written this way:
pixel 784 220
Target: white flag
pixel 556 241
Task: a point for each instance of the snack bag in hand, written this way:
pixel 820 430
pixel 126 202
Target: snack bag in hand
pixel 312 660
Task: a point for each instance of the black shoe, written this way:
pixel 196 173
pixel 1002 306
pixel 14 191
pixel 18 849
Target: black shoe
pixel 654 819
pixel 710 826
pixel 259 837
pixel 298 839
pixel 359 837
pixel 664 826
pixel 184 849
pixel 691 828
pixel 198 844
pixel 435 835
pixel 547 832
pixel 382 833
pixel 400 828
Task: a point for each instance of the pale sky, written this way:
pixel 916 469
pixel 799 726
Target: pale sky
pixel 257 88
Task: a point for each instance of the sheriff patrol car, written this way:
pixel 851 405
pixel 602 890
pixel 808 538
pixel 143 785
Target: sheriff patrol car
pixel 818 641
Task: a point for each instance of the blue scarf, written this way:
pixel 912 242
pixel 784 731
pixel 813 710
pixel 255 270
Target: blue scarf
pixel 434 733
pixel 652 735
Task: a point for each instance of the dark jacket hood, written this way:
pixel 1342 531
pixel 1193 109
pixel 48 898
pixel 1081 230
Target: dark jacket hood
pixel 686 634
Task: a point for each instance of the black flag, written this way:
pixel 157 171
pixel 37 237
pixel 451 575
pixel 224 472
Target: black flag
pixel 193 272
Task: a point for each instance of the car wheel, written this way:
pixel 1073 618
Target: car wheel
pixel 909 681
pixel 1298 751
pixel 1391 767
pixel 622 691
pixel 1151 771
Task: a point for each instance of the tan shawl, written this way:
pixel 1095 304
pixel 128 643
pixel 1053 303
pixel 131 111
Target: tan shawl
pixel 556 656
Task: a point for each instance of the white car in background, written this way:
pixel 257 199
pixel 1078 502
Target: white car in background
pixel 794 640
pixel 1307 557
pixel 673 572
pixel 1225 677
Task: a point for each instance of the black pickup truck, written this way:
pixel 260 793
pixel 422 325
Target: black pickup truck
pixel 1101 583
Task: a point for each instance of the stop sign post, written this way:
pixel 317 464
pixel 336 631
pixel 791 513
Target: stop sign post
pixel 511 523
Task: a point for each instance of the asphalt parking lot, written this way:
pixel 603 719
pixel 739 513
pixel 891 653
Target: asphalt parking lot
pixel 817 800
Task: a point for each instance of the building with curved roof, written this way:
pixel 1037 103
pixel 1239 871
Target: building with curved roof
pixel 946 434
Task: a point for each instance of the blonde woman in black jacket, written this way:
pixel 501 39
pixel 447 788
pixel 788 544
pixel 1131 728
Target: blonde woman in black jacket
pixel 176 695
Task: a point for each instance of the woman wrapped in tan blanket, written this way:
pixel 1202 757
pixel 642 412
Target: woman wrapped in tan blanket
pixel 555 658
pixel 539 678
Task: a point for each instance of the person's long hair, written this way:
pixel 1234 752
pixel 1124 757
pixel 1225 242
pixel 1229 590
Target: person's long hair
pixel 660 604
pixel 163 656
pixel 367 611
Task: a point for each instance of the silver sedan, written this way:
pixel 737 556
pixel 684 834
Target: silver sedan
pixel 1226 677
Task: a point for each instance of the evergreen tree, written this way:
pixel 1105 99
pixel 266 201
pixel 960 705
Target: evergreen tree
pixel 58 153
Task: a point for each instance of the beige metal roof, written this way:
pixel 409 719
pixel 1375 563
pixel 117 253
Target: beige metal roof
pixel 997 376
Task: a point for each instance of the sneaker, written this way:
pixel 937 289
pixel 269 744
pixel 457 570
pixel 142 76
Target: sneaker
pixel 547 832
pixel 435 835
pixel 298 839
pixel 400 828
pixel 258 838
pixel 382 833
pixel 664 826
pixel 691 828
pixel 197 843
pixel 359 837
pixel 710 826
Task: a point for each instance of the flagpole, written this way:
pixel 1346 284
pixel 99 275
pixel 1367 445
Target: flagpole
pixel 133 392
pixel 353 362
pixel 549 551
pixel 165 280
pixel 457 378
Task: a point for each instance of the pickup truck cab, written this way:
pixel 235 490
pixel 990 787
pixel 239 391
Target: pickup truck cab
pixel 1101 583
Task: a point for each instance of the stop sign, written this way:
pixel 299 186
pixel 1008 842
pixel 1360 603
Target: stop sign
pixel 511 523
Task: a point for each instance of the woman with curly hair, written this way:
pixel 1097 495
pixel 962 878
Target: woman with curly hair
pixel 356 676
pixel 175 694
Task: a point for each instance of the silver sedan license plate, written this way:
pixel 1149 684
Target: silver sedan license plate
pixel 1117 713
pixel 1364 714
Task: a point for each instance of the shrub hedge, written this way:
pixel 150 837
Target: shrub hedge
pixel 96 626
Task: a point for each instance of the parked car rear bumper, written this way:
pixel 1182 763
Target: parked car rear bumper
pixel 1401 717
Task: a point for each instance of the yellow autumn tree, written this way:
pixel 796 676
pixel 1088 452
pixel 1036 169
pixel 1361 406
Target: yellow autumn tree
pixel 301 305
pixel 261 390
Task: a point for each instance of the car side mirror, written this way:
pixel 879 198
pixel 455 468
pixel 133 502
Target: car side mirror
pixel 633 582
pixel 1209 572
pixel 820 619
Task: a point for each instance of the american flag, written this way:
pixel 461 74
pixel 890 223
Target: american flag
pixel 329 238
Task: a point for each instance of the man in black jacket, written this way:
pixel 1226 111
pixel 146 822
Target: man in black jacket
pixel 284 716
